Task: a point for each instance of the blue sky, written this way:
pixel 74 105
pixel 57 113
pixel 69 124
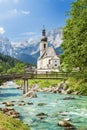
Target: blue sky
pixel 25 18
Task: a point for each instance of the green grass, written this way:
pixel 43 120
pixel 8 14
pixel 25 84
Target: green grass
pixel 41 82
pixel 8 123
pixel 78 85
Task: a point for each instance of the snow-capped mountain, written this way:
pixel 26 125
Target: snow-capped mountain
pixel 55 37
pixel 5 46
pixel 28 47
pixel 28 50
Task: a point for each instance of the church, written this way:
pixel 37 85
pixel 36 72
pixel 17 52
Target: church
pixel 48 60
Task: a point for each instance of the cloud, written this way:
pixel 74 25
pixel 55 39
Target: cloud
pixel 9 1
pixel 25 12
pixel 18 12
pixel 2 31
pixel 28 33
pixel 13 13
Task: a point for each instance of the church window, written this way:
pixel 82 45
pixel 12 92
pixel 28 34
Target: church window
pixel 49 61
pixel 44 46
pixel 55 64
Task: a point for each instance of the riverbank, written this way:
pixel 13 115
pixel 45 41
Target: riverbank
pixel 70 86
pixel 8 123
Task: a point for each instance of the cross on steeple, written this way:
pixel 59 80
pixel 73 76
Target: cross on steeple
pixel 43 27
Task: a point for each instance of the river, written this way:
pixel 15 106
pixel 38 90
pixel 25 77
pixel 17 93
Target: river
pixel 54 106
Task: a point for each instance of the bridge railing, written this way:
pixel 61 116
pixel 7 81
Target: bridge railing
pixel 47 75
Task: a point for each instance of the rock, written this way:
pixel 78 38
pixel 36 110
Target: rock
pixel 8 104
pixel 35 87
pixel 69 91
pixel 19 87
pixel 60 89
pixel 65 87
pixel 14 114
pixel 41 104
pixel 63 113
pixel 45 89
pixel 22 101
pixel 30 103
pixel 60 85
pixel 70 128
pixel 68 98
pixel 3 102
pixel 42 115
pixel 10 112
pixel 21 104
pixel 64 123
pixel 75 93
pixel 30 94
pixel 7 109
pixel 12 101
pixel 63 92
pixel 67 119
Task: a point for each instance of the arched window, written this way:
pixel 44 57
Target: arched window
pixel 44 46
pixel 49 61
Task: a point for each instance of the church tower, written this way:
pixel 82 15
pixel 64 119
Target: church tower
pixel 43 43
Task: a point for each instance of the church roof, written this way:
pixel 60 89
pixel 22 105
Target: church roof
pixel 49 52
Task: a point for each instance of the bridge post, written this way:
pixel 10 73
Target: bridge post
pixel 25 90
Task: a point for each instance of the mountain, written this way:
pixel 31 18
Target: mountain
pixel 27 58
pixel 28 50
pixel 5 46
pixel 55 37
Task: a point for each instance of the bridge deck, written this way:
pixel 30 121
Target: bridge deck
pixel 33 76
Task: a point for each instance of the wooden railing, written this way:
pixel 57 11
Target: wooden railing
pixel 13 76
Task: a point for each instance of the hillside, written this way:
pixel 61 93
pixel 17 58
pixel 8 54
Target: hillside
pixel 7 63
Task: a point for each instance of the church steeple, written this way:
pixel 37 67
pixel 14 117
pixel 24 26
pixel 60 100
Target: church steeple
pixel 43 32
pixel 43 43
pixel 44 38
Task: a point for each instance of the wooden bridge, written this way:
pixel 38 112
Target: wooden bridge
pixel 27 76
pixel 47 75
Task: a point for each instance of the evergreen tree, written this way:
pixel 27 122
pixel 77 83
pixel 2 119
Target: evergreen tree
pixel 75 37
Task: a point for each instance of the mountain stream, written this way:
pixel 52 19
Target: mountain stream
pixel 55 107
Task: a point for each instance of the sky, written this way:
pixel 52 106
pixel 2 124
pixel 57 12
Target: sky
pixel 25 18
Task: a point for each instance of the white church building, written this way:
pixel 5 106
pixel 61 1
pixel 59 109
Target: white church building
pixel 48 60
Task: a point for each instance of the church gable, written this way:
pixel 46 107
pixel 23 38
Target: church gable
pixel 50 52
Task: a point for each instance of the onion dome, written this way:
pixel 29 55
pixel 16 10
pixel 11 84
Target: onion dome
pixel 44 38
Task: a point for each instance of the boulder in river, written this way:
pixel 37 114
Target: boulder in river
pixel 69 98
pixel 41 104
pixel 8 104
pixel 42 115
pixel 10 112
pixel 30 94
pixel 21 104
pixel 30 103
pixel 66 124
